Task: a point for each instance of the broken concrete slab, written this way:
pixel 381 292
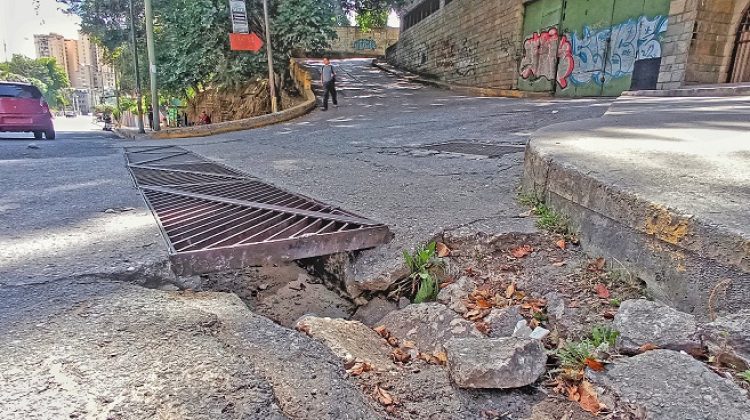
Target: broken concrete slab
pixel 641 321
pixel 454 295
pixel 728 338
pixel 349 340
pixel 373 311
pixel 428 325
pixel 91 348
pixel 499 363
pixel 503 321
pixel 669 385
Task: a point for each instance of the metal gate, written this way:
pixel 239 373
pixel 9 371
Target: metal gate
pixel 740 71
pixel 216 218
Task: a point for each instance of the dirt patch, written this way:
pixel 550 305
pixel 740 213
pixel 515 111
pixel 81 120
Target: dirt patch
pixel 239 103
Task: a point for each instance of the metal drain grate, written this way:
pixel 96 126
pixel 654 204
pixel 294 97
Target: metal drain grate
pixel 217 218
pixel 479 149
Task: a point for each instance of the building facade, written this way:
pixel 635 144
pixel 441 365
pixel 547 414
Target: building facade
pixel 52 45
pixel 352 41
pixel 576 47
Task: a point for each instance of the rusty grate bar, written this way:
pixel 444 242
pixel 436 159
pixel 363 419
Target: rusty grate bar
pixel 216 218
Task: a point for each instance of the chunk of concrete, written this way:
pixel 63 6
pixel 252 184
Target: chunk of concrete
pixel 349 340
pixel 455 294
pixel 428 325
pixel 642 322
pixel 498 363
pixel 728 338
pixel 373 311
pixel 522 330
pixel 669 385
pixel 503 321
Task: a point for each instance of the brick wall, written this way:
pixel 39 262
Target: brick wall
pixel 698 45
pixel 468 42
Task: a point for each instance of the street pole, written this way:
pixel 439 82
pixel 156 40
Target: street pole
pixel 152 63
pixel 139 97
pixel 269 51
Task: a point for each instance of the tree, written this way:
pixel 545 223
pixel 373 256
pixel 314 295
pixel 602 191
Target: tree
pixel 44 73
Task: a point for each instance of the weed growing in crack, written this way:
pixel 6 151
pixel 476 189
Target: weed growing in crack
pixel 548 219
pixel 745 376
pixel 573 355
pixel 419 263
pixel 601 335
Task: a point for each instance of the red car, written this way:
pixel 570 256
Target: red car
pixel 23 109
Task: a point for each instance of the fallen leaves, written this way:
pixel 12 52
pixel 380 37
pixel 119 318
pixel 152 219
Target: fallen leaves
pixel 437 358
pixel 647 347
pixel 561 244
pixel 400 356
pixel 510 291
pixel 585 395
pixel 442 250
pixel 522 251
pixel 382 396
pixel 601 291
pixel 383 332
pixel 597 266
pixel 593 364
pixel 357 368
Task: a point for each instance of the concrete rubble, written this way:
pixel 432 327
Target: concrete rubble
pixel 499 363
pixel 374 310
pixel 503 322
pixel 454 295
pixel 728 337
pixel 642 322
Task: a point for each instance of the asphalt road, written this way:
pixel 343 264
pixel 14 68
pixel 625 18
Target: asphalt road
pixel 375 155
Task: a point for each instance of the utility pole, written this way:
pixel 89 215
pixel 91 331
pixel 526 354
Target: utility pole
pixel 139 97
pixel 269 51
pixel 152 62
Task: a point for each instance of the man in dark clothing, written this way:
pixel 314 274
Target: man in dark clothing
pixel 328 77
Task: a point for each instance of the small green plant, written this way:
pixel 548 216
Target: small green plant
pixel 419 263
pixel 616 302
pixel 745 376
pixel 573 355
pixel 549 219
pixel 601 334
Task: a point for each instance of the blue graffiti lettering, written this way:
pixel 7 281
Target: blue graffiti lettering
pixel 365 44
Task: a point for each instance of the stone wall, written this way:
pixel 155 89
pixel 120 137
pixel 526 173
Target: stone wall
pixel 698 45
pixel 352 41
pixel 468 42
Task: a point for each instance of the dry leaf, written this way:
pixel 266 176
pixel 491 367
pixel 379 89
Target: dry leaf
pixel 597 265
pixel 522 251
pixel 400 356
pixel 594 364
pixel 393 341
pixel 601 291
pixel 383 396
pixel 382 331
pixel 510 291
pixel 441 357
pixel 409 344
pixel 359 368
pixel 482 327
pixel 482 303
pixel 442 250
pixel 588 398
pixel 561 244
pixel 647 347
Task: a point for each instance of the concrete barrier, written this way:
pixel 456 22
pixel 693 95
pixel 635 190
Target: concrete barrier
pixel 302 81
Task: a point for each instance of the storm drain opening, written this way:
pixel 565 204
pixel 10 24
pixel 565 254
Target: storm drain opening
pixel 473 148
pixel 216 218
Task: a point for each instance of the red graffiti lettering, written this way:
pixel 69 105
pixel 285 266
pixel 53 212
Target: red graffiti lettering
pixel 548 55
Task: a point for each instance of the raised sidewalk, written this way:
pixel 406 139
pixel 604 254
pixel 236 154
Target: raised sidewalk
pixel 660 186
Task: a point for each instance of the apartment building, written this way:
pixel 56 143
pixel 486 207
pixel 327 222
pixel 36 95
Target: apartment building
pixel 52 45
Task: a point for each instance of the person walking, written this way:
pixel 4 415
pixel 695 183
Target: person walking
pixel 328 77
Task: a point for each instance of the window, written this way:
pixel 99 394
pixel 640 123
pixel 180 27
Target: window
pixel 421 12
pixel 19 91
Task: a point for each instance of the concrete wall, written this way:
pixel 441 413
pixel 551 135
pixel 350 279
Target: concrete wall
pixel 699 43
pixel 468 42
pixel 354 42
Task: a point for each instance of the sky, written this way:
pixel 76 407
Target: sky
pixel 19 21
pixel 18 38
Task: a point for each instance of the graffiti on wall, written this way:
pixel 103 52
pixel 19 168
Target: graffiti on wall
pixel 547 55
pixel 593 55
pixel 365 44
pixel 459 58
pixel 632 40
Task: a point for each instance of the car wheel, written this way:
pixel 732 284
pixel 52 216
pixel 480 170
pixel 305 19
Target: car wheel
pixel 49 134
pixel 38 134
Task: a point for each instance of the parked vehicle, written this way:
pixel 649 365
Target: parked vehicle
pixel 23 109
pixel 70 114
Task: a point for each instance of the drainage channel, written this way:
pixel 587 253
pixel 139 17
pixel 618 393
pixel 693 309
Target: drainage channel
pixel 217 218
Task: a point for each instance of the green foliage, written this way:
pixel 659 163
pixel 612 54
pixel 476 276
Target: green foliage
pixel 43 73
pixel 370 19
pixel 572 355
pixel 548 219
pixel 616 302
pixel 745 376
pixel 602 334
pixel 419 263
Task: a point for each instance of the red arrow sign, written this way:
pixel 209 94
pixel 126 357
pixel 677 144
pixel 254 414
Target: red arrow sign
pixel 245 42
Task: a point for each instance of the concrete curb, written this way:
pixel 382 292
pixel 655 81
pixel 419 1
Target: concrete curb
pixel 692 264
pixel 466 90
pixel 696 91
pixel 302 81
